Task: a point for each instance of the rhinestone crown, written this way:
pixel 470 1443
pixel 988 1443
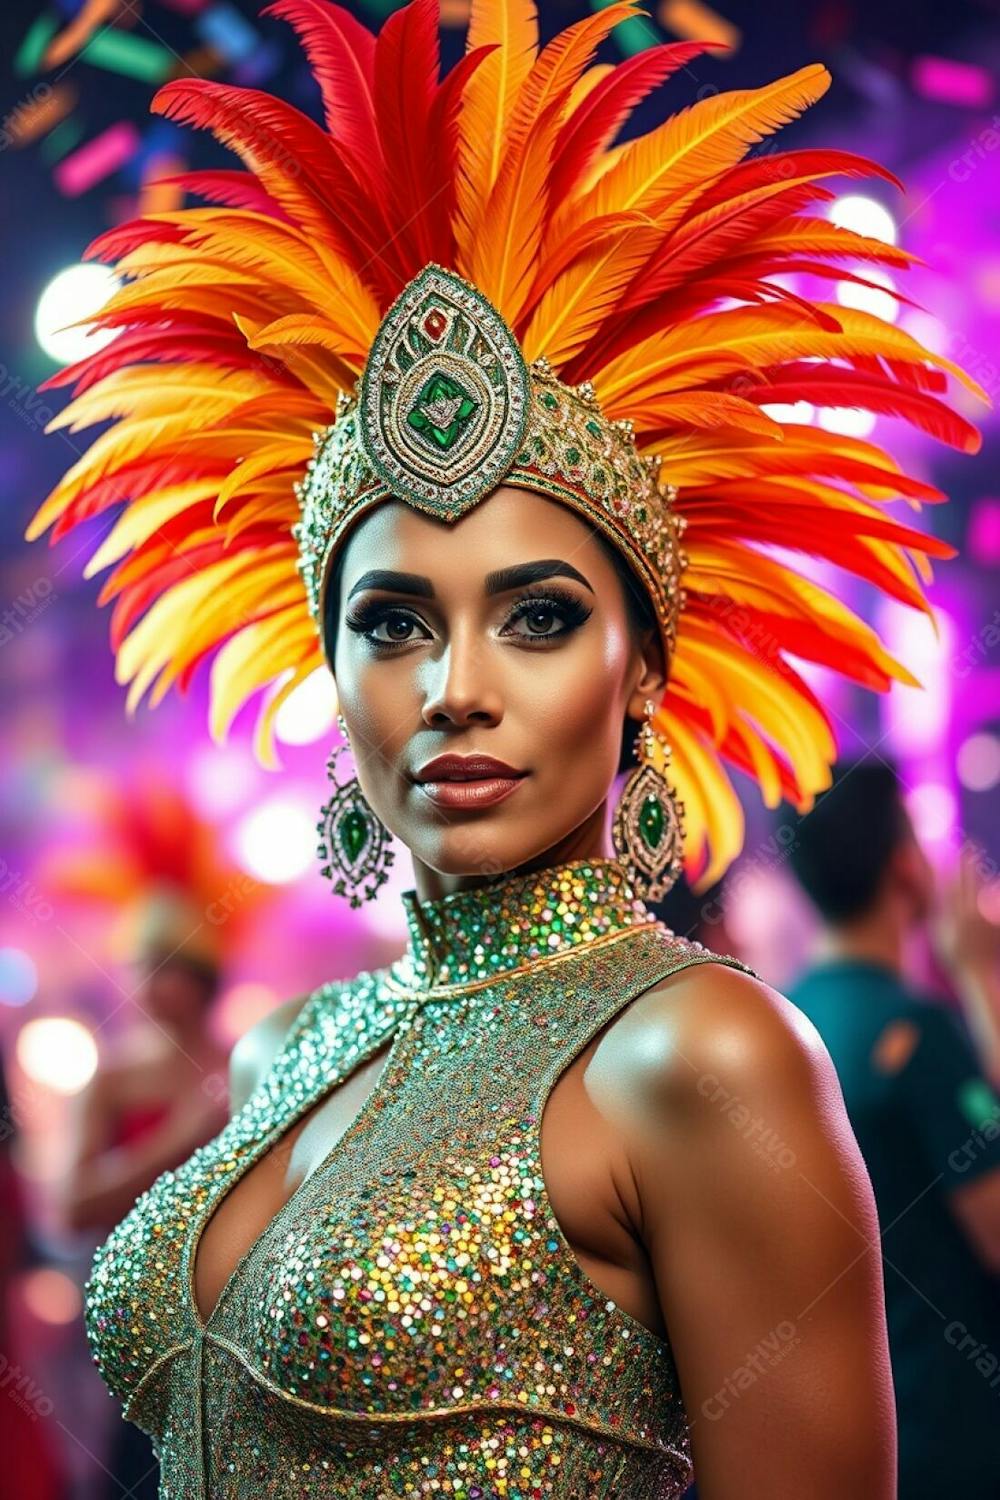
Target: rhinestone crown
pixel 446 410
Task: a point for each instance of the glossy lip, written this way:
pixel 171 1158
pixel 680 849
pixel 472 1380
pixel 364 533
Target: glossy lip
pixel 458 768
pixel 479 792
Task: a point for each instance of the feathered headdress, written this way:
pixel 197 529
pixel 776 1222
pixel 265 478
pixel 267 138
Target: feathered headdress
pixel 140 851
pixel 648 268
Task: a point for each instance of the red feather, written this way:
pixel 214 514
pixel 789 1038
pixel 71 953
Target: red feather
pixel 231 188
pixel 341 52
pixel 597 118
pixel 112 244
pixel 443 132
pixel 834 385
pixel 129 483
pixel 193 337
pixel 407 65
pixel 298 164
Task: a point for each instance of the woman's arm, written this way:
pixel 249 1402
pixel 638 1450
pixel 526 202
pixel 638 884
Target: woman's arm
pixel 759 1219
pixel 102 1180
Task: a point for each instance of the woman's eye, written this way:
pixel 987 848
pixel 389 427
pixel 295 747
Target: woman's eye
pixel 390 627
pixel 532 619
pixel 540 615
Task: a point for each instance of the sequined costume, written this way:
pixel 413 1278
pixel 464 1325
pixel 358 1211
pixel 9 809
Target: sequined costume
pixel 413 1321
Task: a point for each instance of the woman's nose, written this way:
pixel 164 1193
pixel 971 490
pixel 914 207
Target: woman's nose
pixel 459 686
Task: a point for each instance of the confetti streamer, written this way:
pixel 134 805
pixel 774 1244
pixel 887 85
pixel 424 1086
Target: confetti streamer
pixel 133 56
pixel 229 33
pixel 38 115
pixel 97 159
pixel 29 55
pixel 699 23
pixel 77 34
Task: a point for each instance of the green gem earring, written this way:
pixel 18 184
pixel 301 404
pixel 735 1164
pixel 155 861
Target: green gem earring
pixel 354 843
pixel 648 830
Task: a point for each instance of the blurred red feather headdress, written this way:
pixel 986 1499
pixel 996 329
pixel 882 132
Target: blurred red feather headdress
pixel 651 268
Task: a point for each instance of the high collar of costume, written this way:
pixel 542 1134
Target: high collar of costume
pixel 517 921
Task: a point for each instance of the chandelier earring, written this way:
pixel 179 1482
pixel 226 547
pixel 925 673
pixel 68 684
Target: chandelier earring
pixel 354 842
pixel 648 830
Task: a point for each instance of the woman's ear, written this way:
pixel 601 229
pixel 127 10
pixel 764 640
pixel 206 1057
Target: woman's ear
pixel 652 677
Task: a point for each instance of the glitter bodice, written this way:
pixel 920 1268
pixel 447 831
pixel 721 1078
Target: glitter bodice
pixel 413 1320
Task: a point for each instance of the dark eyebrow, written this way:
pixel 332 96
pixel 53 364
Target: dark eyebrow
pixel 496 583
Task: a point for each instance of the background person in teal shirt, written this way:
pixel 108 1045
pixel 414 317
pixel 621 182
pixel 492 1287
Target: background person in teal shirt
pixel 927 1121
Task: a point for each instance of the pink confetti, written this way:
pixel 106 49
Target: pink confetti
pixel 97 159
pixel 953 82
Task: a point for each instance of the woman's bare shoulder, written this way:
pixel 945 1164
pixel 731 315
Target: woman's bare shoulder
pixel 711 1018
pixel 254 1052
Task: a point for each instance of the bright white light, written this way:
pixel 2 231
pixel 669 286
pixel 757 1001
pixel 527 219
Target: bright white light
pixel 220 778
pixel 867 299
pixel 309 712
pixel 792 411
pixel 276 842
pixel 918 716
pixel 978 762
pixel 78 292
pixel 848 421
pixel 933 811
pixel 926 329
pixel 864 215
pixel 58 1053
pixel 18 977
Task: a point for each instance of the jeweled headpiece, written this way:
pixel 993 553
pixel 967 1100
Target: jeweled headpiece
pixel 460 281
pixel 447 409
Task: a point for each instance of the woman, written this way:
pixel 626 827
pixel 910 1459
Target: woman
pixel 558 1203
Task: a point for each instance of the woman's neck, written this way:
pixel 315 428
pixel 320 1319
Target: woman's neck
pixel 588 841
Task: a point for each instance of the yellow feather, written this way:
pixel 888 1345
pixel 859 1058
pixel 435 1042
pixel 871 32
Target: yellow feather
pixel 502 262
pixel 263 738
pixel 151 389
pixel 143 517
pixel 706 138
pixel 579 300
pixel 253 657
pixel 488 100
pixel 250 594
pixel 713 819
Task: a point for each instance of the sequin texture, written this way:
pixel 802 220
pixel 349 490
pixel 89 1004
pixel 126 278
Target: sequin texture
pixel 413 1321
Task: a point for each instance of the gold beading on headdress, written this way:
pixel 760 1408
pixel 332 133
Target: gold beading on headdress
pixel 447 410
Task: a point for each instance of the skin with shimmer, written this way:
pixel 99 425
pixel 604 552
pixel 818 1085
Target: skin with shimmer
pixel 697 1152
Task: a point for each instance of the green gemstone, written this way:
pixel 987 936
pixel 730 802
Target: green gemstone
pixel 352 831
pixel 547 399
pixel 442 410
pixel 573 455
pixel 651 821
pixel 594 427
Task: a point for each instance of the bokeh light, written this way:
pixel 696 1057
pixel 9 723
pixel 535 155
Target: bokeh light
pixel 18 977
pixel 57 1052
pixel 309 712
pixel 864 215
pixel 276 842
pixel 77 292
pixel 50 1296
pixel 978 762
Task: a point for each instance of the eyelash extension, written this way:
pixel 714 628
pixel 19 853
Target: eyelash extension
pixel 368 616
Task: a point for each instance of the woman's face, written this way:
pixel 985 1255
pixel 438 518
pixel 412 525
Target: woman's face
pixel 452 639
